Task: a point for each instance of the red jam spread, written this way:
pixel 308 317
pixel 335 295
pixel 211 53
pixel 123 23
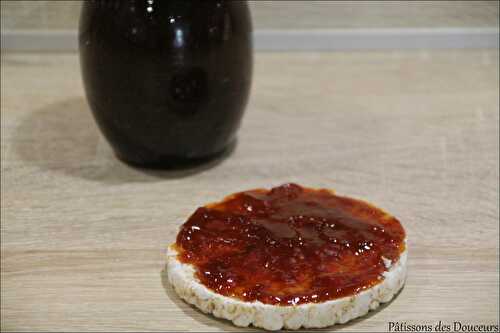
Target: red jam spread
pixel 289 245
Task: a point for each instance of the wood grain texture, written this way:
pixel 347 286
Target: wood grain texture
pixel 83 236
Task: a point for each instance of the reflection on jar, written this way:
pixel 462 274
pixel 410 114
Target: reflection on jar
pixel 188 88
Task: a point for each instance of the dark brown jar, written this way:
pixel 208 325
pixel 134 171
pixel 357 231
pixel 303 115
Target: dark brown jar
pixel 167 80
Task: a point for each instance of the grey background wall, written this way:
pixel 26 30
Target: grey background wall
pixel 293 15
pixel 293 25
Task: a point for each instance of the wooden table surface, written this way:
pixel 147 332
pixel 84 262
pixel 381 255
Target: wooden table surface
pixel 83 236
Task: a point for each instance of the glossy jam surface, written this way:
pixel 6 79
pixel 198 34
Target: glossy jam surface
pixel 289 245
